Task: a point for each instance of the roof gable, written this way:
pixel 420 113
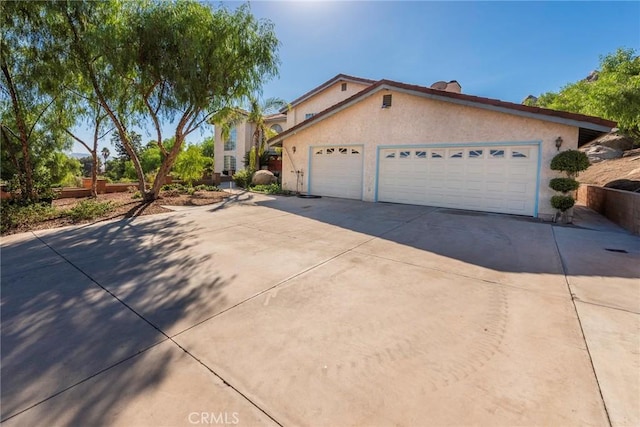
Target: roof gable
pixel 325 85
pixel 573 119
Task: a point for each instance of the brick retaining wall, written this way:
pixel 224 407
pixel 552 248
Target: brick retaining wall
pixel 621 207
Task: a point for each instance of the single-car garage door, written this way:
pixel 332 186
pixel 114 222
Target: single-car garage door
pixel 336 171
pixel 484 178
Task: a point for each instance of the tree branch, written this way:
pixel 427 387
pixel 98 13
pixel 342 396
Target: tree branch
pixel 39 116
pixel 79 140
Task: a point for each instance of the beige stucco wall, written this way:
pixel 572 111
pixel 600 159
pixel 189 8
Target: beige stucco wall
pixel 322 100
pixel 417 120
pixel 243 144
pixel 282 122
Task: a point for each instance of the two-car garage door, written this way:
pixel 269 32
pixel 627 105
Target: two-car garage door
pixel 484 178
pixel 492 178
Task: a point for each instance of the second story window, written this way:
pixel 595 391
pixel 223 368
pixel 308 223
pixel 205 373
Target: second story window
pixel 309 115
pixel 343 87
pixel 230 144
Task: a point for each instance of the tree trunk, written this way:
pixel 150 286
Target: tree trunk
pixel 164 170
pixel 94 175
pixel 27 192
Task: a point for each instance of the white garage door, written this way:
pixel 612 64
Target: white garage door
pixel 336 171
pixel 484 178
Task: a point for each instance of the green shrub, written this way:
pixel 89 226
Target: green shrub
pixel 190 164
pixel 267 188
pixel 13 215
pixel 170 187
pixel 564 185
pixel 203 187
pixel 243 178
pixel 89 209
pixel 570 161
pixel 562 203
pixel 136 195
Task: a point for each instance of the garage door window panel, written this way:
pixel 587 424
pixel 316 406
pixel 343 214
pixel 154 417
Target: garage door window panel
pixel 475 154
pixel 520 154
pixel 496 154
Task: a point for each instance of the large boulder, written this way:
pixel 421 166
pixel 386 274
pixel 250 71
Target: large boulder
pixel 612 140
pixel 598 153
pixel 263 177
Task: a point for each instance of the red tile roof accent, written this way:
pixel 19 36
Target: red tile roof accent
pixel 458 96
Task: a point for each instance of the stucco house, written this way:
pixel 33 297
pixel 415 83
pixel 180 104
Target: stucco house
pixel 386 141
pixel 229 154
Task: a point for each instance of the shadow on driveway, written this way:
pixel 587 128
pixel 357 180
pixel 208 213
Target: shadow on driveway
pixel 62 329
pixel 504 243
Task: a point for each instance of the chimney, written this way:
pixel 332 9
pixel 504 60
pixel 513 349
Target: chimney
pixel 452 86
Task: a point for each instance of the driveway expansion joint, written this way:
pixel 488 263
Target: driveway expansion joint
pixel 584 338
pixel 84 380
pixel 167 338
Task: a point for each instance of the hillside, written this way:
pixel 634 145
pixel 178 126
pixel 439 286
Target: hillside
pixel 606 171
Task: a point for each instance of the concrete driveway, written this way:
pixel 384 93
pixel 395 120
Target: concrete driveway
pixel 321 312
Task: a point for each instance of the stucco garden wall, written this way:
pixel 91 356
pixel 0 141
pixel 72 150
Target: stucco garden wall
pixel 621 207
pixel 417 120
pixel 323 100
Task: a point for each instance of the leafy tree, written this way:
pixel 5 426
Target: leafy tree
pixel 190 165
pixel 208 151
pixel 114 169
pixel 61 168
pixel 613 92
pixel 135 141
pixel 129 171
pixel 151 158
pixel 97 116
pixel 208 147
pixel 29 89
pixel 167 60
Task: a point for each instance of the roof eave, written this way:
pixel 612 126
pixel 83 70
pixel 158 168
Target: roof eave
pixel 538 113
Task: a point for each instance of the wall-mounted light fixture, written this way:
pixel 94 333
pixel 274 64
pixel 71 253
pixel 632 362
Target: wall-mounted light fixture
pixel 294 149
pixel 559 142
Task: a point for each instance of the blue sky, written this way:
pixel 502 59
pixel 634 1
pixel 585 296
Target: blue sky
pixel 504 50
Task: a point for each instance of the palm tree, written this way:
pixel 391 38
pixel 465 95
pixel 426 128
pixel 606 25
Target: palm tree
pixel 257 116
pixel 229 117
pixel 105 154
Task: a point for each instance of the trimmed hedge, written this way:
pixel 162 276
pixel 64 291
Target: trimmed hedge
pixel 562 203
pixel 570 161
pixel 564 185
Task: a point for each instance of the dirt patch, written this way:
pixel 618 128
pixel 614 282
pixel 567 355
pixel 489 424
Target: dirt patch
pixel 601 173
pixel 126 207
